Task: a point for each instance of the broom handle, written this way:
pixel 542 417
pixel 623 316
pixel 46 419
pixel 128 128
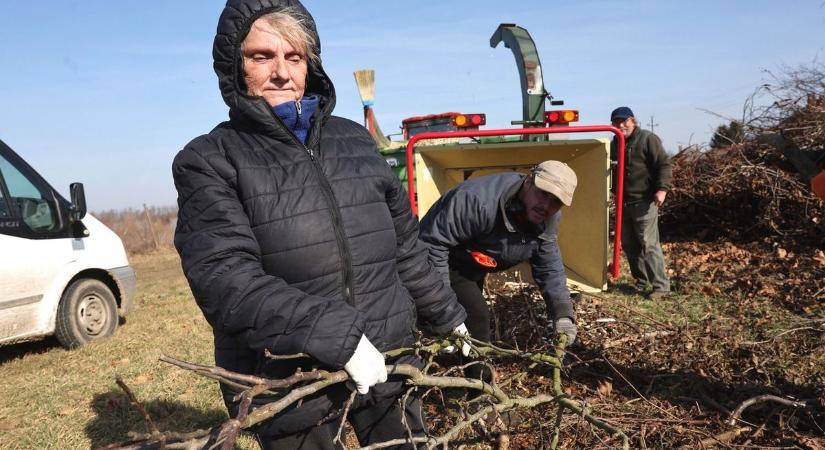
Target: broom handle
pixel 369 120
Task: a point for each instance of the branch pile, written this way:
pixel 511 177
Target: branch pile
pixel 474 420
pixel 744 216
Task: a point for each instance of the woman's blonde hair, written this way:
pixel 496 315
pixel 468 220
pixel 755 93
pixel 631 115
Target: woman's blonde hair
pixel 293 26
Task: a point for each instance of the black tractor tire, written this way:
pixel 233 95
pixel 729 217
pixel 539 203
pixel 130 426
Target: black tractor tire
pixel 87 311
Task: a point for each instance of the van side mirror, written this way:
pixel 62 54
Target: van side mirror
pixel 78 208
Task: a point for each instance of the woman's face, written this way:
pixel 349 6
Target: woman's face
pixel 273 68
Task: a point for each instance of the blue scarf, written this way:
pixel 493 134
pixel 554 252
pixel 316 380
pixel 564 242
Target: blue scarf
pixel 298 122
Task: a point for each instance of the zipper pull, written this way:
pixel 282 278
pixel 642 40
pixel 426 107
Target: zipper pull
pixel 298 107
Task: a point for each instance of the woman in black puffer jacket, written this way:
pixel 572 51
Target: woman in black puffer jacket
pixel 295 235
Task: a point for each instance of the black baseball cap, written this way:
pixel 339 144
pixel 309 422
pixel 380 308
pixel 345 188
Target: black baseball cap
pixel 621 113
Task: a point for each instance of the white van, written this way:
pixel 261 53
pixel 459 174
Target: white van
pixel 62 271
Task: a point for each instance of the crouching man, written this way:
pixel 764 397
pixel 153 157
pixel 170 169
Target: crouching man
pixel 492 223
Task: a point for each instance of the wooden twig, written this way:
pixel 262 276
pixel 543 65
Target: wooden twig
pixel 648 335
pixel 757 433
pixel 243 381
pixel 793 330
pixel 714 404
pixel 270 355
pixel 194 440
pixel 612 367
pixel 643 436
pixel 150 226
pixel 554 443
pixel 633 310
pixel 232 379
pixel 431 443
pixel 150 424
pixel 722 438
pixel 347 406
pixel 232 427
pixel 735 417
pixel 403 405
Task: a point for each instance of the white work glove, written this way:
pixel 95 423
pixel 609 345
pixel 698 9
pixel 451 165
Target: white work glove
pixel 465 345
pixel 565 325
pixel 366 366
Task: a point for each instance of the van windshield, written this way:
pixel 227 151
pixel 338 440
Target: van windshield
pixel 25 198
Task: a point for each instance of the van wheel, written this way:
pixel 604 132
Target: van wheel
pixel 87 311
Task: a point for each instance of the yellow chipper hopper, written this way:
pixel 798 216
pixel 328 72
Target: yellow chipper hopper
pixel 446 149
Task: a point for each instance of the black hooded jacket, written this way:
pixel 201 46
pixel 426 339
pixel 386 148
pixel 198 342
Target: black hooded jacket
pixel 296 248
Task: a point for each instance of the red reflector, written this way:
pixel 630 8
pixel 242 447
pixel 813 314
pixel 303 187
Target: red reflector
pixel 561 117
pixel 469 120
pixel 484 260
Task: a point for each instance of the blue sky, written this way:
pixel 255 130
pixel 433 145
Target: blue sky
pixel 107 92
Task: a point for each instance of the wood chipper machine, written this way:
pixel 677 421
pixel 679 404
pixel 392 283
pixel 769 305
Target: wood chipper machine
pixel 442 150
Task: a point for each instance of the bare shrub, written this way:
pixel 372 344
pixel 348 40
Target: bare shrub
pixel 142 230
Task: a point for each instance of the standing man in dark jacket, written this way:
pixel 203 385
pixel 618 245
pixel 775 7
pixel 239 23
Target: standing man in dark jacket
pixel 490 224
pixel 297 238
pixel 647 178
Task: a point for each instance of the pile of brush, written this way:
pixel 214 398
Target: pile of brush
pixel 744 215
pixel 742 193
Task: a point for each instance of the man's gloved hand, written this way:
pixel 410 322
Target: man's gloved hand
pixel 366 366
pixel 565 325
pixel 465 345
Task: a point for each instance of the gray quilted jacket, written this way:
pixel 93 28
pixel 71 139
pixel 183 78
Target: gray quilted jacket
pixel 473 217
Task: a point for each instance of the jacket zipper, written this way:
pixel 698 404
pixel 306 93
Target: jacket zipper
pixel 338 224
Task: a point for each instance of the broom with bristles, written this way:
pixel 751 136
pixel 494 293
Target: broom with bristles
pixel 365 79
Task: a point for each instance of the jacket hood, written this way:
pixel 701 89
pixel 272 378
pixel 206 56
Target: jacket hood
pixel 233 26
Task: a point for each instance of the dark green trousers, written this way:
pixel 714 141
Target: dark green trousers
pixel 640 242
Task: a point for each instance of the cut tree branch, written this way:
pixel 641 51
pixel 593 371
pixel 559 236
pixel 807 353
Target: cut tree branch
pixel 293 389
